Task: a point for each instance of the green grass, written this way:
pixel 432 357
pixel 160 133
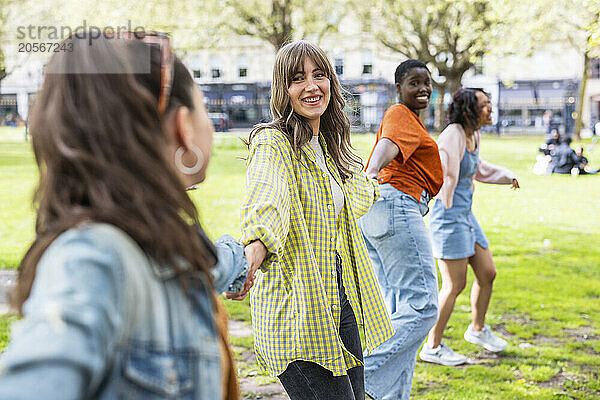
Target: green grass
pixel 544 238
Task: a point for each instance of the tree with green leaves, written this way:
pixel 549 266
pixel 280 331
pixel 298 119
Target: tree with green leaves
pixel 281 21
pixel 4 12
pixel 570 24
pixel 582 30
pixel 448 35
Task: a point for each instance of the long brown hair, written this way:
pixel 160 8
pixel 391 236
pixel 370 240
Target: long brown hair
pixel 99 145
pixel 334 125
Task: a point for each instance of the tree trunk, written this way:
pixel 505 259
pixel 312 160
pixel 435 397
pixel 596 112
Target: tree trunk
pixel 451 85
pixel 579 112
pixel 439 114
pixel 454 83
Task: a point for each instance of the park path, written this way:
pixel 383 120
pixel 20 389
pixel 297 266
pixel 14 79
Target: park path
pixel 250 386
pixel 251 390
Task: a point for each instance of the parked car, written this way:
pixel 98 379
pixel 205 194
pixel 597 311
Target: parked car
pixel 220 121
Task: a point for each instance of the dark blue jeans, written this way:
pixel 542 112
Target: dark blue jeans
pixel 305 380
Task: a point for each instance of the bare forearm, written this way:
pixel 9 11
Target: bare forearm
pixel 385 151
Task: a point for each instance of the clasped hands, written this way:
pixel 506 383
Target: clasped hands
pixel 255 253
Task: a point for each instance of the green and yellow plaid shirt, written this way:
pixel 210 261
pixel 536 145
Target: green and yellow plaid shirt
pixel 295 300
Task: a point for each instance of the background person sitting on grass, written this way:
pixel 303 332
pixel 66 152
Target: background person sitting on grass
pixel 581 163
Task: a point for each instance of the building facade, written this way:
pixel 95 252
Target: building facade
pixel 236 82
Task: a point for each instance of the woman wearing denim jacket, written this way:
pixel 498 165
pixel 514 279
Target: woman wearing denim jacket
pixel 117 289
pixel 305 190
pixel 405 159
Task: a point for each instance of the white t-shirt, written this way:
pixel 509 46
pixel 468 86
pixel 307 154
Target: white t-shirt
pixel 336 190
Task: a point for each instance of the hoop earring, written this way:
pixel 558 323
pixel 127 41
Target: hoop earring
pixel 193 169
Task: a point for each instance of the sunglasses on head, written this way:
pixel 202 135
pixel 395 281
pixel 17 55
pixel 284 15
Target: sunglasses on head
pixel 166 61
pixel 166 68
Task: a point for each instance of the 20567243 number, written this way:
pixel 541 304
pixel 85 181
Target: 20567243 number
pixel 45 47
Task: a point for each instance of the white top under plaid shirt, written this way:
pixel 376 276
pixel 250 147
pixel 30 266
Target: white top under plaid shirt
pixel 295 300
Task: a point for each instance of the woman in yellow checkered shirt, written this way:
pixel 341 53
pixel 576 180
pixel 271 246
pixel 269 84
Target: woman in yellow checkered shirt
pixel 305 190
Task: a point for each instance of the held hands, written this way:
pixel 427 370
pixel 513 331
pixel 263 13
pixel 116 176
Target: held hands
pixel 515 184
pixel 255 253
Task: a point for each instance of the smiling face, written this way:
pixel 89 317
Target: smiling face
pixel 485 109
pixel 415 90
pixel 309 92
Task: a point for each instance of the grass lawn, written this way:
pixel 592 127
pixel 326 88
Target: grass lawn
pixel 544 238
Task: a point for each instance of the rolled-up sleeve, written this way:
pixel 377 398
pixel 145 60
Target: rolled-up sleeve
pixel 265 211
pixel 72 320
pixel 490 173
pixel 401 127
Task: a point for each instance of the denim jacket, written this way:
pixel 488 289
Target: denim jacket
pixel 106 322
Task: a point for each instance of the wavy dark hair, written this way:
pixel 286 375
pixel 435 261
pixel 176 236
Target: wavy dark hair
pixel 99 145
pixel 334 122
pixel 464 108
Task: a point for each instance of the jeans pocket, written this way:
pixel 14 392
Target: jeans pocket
pixel 378 223
pixel 150 374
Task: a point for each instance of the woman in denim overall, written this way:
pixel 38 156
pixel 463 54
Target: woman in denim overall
pixel 457 238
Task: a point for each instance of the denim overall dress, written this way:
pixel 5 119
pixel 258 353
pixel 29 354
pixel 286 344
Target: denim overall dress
pixel 455 231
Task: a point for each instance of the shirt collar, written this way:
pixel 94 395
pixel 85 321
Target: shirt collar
pixel 310 152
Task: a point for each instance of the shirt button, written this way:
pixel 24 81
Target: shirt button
pixel 472 229
pixel 332 240
pixel 329 206
pixel 324 175
pixel 334 307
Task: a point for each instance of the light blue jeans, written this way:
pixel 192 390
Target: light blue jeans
pixel 400 251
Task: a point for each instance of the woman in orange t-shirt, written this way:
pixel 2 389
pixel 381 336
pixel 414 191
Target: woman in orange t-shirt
pixel 406 162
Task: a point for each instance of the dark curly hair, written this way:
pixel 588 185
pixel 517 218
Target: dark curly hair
pixel 405 67
pixel 464 109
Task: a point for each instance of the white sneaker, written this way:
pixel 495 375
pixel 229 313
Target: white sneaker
pixel 485 338
pixel 441 355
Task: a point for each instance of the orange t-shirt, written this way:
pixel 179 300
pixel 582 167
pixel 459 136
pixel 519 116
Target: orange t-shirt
pixel 417 165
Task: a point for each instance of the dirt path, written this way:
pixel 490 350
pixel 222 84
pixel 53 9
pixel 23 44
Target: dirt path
pixel 253 386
